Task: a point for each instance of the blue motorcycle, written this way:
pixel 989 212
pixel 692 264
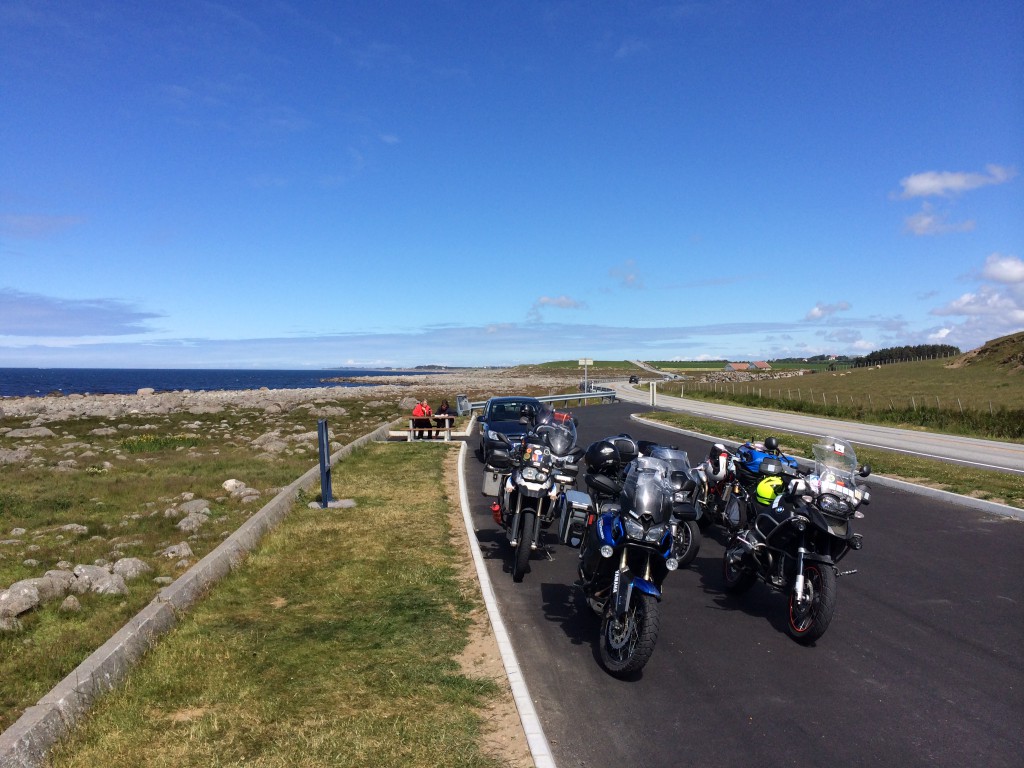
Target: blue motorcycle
pixel 628 551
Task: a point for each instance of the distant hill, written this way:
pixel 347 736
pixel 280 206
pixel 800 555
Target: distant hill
pixel 1005 354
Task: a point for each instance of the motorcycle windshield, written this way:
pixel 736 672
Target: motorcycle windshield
pixel 835 455
pixel 648 491
pixel 560 436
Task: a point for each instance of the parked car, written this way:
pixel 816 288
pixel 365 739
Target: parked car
pixel 634 379
pixel 502 415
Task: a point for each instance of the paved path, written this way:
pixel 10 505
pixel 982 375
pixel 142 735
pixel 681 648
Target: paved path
pixel 921 666
pixel 975 452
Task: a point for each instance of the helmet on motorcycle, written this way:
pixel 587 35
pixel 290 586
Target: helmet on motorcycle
pixel 771 444
pixel 768 489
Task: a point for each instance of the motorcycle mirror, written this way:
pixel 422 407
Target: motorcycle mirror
pixel 504 438
pixel 865 470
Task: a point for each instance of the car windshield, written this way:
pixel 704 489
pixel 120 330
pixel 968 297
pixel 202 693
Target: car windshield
pixel 508 411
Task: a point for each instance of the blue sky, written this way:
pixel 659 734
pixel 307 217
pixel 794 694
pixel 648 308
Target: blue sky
pixel 294 184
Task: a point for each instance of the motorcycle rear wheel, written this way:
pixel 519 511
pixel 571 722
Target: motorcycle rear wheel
pixel 808 622
pixel 687 543
pixel 521 558
pixel 627 646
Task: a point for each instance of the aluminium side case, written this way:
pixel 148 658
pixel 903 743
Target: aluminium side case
pixel 573 518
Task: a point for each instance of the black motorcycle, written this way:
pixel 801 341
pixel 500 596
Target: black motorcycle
pixel 625 556
pixel 795 544
pixel 530 479
pixel 733 484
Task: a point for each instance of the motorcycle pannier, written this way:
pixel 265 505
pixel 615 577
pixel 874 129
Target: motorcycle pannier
pixel 573 521
pixel 493 479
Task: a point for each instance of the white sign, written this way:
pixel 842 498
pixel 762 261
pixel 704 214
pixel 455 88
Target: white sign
pixel 586 361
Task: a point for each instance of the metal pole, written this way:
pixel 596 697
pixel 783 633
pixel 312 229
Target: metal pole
pixel 325 463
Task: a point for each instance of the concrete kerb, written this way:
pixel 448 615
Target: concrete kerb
pixel 26 742
pixel 537 741
pixel 948 497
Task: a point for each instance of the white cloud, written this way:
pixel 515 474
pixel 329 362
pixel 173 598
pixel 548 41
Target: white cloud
pixel 1003 269
pixel 948 183
pixel 31 315
pixel 819 310
pixel 945 183
pixel 928 222
pixel 557 302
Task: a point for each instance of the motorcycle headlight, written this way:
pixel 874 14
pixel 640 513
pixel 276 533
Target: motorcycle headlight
pixel 833 505
pixel 634 529
pixel 534 475
pixel 655 533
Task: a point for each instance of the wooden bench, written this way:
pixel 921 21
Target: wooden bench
pixel 444 433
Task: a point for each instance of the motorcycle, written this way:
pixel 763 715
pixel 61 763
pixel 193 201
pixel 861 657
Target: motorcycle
pixel 625 556
pixel 795 544
pixel 530 480
pixel 728 482
pixel 612 457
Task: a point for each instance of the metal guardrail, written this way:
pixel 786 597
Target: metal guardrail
pixel 463 405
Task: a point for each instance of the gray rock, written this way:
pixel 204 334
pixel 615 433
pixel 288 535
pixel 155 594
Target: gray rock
pixel 70 605
pixel 111 584
pixel 32 432
pixel 18 598
pixel 16 456
pixel 177 550
pixel 131 567
pixel 192 523
pixel 86 576
pixel 195 505
pixel 75 528
pixel 18 531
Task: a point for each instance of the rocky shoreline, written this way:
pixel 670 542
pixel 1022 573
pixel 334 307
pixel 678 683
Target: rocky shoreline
pixel 473 382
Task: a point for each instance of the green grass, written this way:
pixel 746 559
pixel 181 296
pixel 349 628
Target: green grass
pixel 979 400
pixel 334 645
pixel 120 495
pixel 994 486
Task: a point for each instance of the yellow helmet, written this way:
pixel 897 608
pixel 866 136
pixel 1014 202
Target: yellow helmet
pixel 768 489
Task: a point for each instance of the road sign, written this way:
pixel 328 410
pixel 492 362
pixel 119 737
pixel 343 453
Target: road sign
pixel 586 361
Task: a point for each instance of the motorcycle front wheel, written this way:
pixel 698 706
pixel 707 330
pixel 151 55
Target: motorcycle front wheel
pixel 809 619
pixel 687 542
pixel 738 578
pixel 521 558
pixel 627 645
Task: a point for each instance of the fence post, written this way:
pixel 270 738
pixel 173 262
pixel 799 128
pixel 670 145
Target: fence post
pixel 325 463
pixel 654 393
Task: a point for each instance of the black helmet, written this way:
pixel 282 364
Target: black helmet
pixel 771 444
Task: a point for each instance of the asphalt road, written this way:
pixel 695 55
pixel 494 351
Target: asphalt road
pixel 975 452
pixel 922 665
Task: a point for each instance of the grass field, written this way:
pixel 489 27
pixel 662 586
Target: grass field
pixel 336 644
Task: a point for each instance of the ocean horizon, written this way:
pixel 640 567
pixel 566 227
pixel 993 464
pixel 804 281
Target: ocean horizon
pixel 40 382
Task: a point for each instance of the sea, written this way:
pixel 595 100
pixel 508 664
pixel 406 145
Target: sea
pixel 38 382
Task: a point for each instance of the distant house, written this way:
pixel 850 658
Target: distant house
pixel 761 365
pixel 737 366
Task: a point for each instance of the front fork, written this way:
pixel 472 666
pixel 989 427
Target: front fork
pixel 798 587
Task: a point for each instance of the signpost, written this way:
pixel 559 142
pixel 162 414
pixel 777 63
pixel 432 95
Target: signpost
pixel 585 361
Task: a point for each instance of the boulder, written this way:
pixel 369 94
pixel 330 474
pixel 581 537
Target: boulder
pixel 131 567
pixel 32 432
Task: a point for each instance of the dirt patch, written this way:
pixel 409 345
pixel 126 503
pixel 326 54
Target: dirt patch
pixel 503 735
